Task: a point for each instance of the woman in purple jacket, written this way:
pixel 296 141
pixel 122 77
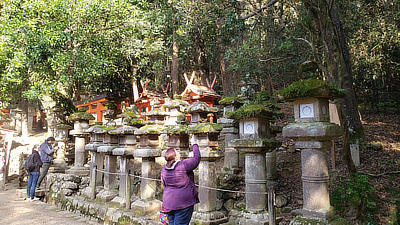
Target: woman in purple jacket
pixel 180 193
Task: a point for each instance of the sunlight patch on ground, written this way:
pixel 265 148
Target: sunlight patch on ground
pixel 396 146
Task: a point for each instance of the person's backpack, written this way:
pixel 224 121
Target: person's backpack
pixel 28 164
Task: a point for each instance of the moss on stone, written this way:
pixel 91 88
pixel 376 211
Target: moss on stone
pixel 248 111
pixel 311 88
pixel 127 114
pixel 136 122
pixel 81 116
pixel 177 129
pixel 205 128
pixel 231 100
pixel 110 128
pixel 151 129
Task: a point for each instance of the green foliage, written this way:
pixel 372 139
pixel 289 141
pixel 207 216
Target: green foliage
pixel 111 106
pixel 356 191
pixel 311 88
pixel 375 48
pixel 396 213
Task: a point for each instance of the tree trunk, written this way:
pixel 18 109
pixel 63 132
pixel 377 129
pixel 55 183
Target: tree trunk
pixel 200 54
pixel 175 68
pixel 77 90
pixel 134 79
pixel 134 84
pixel 226 76
pixel 332 37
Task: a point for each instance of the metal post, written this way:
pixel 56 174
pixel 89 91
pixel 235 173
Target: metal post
pixel 271 205
pixel 93 183
pixel 128 189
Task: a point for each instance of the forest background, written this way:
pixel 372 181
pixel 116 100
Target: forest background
pixel 60 48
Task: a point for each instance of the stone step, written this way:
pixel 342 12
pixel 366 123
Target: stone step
pixel 21 193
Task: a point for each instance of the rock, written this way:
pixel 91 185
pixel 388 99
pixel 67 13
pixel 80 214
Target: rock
pixel 67 192
pixel 70 185
pixel 241 205
pixel 286 209
pixel 291 149
pixel 280 201
pixel 377 146
pixel 229 205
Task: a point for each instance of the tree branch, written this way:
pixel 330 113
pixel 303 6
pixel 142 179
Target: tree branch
pixel 381 174
pixel 271 3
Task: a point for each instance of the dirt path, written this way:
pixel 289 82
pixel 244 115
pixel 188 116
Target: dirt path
pixel 17 211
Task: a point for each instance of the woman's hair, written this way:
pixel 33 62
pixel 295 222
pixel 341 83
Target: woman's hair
pixel 34 147
pixel 50 139
pixel 170 157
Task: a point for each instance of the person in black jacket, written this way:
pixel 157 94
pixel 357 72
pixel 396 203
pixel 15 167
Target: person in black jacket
pixel 34 174
pixel 46 155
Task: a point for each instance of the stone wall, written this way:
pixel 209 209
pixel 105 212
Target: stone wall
pixel 66 193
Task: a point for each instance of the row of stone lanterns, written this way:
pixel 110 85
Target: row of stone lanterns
pixel 311 131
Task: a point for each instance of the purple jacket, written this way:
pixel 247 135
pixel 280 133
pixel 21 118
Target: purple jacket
pixel 178 180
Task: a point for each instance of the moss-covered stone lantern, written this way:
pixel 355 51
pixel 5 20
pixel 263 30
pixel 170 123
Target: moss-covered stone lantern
pixel 201 112
pixel 254 141
pixel 81 122
pixel 206 136
pixel 313 134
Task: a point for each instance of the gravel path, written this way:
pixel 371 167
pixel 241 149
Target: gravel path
pixel 17 211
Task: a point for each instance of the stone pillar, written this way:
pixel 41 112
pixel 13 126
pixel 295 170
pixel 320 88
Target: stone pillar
pixel 110 142
pixel 149 149
pixel 230 132
pixel 80 141
pixel 270 163
pixel 256 173
pixel 206 212
pixel 313 134
pixel 96 159
pixel 231 155
pixel 125 150
pixel 147 203
pixel 315 177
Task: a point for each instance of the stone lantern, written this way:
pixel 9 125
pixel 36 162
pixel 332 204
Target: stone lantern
pixel 96 133
pixel 206 136
pixel 156 115
pixel 81 123
pixel 175 108
pixel 255 143
pixel 126 147
pixel 149 149
pixel 313 134
pixel 60 130
pixel 201 112
pixel 110 142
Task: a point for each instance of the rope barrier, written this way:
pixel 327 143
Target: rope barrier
pixel 197 185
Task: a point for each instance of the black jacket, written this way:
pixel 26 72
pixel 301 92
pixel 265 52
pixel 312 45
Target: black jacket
pixel 37 161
